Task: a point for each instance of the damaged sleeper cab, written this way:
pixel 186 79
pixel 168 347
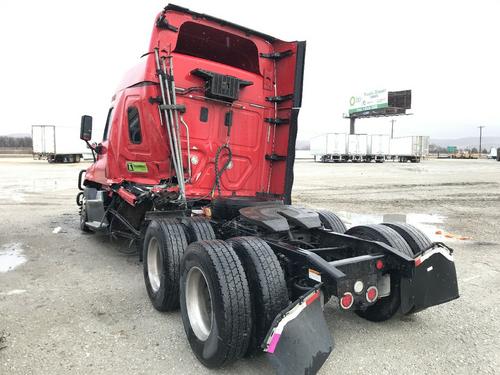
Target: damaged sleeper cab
pixel 195 167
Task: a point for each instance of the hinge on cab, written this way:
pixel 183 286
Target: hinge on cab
pixel 276 121
pixel 279 99
pixel 276 55
pixel 275 157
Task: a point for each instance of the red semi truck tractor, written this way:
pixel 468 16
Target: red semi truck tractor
pixel 196 167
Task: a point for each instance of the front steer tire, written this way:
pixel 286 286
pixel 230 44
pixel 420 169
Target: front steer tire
pixel 268 289
pixel 215 303
pixel 386 307
pixel 163 248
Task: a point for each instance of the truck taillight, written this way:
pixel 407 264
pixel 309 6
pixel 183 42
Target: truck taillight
pixel 346 301
pixel 371 294
pixel 379 264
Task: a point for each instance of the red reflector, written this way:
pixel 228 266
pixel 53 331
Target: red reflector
pixel 371 294
pixel 346 301
pixel 312 298
pixel 379 264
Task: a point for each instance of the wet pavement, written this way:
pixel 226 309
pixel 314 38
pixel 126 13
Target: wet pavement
pixel 11 256
pixel 71 302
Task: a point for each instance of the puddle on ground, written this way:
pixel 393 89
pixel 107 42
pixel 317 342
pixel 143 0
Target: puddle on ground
pixel 13 292
pixel 18 192
pixel 430 224
pixel 11 256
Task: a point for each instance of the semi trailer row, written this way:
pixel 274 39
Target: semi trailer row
pixel 196 167
pixel 338 147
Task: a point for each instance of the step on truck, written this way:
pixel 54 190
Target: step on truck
pixel 195 166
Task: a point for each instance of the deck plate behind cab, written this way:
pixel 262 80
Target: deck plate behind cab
pixel 278 218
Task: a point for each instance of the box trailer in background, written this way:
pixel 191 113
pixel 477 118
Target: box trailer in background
pixel 412 148
pixel 331 147
pixel 357 146
pixel 378 147
pixel 57 144
pixel 493 153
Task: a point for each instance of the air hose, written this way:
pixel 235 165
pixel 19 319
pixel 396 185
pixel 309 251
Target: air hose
pixel 219 172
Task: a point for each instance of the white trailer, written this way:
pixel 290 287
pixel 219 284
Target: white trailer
pixel 412 148
pixel 357 145
pixel 57 144
pixel 331 147
pixel 378 147
pixel 493 153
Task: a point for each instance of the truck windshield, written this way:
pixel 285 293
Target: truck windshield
pixel 217 45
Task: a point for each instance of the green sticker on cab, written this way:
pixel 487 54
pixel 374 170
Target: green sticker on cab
pixel 137 167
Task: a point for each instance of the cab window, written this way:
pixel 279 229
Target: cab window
pixel 134 125
pixel 107 127
pixel 217 45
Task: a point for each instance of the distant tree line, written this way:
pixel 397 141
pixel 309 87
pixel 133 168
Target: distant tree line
pixel 435 149
pixel 6 141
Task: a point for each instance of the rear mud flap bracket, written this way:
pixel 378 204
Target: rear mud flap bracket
pixel 434 281
pixel 299 341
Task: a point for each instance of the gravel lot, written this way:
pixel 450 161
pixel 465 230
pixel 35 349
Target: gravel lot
pixel 75 302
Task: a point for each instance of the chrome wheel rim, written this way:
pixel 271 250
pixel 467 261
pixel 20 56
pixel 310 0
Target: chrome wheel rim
pixel 155 267
pixel 199 303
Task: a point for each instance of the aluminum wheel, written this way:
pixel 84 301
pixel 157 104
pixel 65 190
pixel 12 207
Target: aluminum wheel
pixel 199 303
pixel 155 266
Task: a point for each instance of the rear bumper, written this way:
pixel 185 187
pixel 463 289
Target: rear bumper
pixel 433 280
pixel 299 341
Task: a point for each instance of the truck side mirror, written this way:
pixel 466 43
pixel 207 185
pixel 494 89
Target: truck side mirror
pixel 86 128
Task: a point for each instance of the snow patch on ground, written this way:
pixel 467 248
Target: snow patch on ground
pixel 11 256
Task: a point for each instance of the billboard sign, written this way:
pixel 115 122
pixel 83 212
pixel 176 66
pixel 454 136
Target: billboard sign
pixel 369 100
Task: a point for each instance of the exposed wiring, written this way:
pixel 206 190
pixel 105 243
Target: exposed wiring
pixel 188 90
pixel 219 172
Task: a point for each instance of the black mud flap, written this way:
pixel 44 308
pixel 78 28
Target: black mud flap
pixel 434 280
pixel 299 341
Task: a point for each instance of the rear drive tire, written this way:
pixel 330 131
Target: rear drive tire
pixel 386 307
pixel 382 233
pixel 331 221
pixel 415 238
pixel 215 303
pixel 198 229
pixel 164 245
pixel 266 280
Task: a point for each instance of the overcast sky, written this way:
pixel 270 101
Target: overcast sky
pixel 62 59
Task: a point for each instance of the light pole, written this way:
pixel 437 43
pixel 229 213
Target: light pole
pixel 480 139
